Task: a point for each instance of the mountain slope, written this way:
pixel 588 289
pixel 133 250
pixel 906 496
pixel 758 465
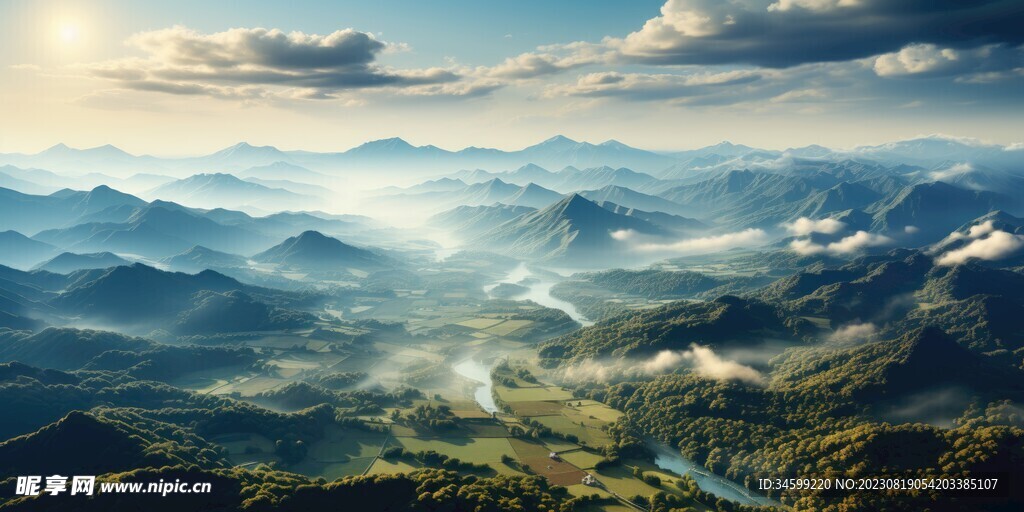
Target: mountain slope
pixel 224 190
pixel 572 230
pixel 314 251
pixel 68 262
pixel 17 250
pixel 157 231
pixel 199 258
pixel 469 221
pixel 630 198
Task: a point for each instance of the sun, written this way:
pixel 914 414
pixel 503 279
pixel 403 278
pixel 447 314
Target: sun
pixel 69 32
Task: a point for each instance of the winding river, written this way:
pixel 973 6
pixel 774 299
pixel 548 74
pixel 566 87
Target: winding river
pixel 665 457
pixel 539 292
pixel 668 459
pixel 477 371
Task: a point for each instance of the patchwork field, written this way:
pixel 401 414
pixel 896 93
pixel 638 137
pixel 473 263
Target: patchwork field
pixel 481 450
pixel 535 394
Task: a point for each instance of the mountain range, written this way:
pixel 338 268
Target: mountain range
pixel 554 153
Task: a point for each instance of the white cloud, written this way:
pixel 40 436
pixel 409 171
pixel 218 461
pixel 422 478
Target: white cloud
pixel 747 237
pixel 854 243
pixel 799 95
pixel 996 246
pixel 707 364
pixel 974 232
pixel 951 171
pixel 643 86
pixel 857 242
pixel 258 62
pixel 812 5
pixel 854 332
pixel 806 226
pixel 916 59
pixel 702 360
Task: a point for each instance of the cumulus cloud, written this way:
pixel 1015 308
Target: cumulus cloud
pixel 985 245
pixel 249 62
pixel 806 226
pixel 916 59
pixel 548 60
pixel 854 243
pixel 782 33
pixel 745 238
pixel 983 64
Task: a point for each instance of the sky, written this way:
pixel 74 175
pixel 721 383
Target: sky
pixel 190 77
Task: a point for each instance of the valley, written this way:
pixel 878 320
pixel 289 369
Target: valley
pixel 606 340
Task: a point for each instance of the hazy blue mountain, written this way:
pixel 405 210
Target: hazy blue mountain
pixel 226 191
pixel 936 150
pixel 476 194
pixel 935 209
pixel 11 181
pixel 17 250
pixel 283 171
pixel 312 250
pixel 675 223
pixel 560 151
pixel 239 157
pixel 438 185
pixel 724 149
pixel 286 224
pixel 293 186
pixel 199 258
pixel 624 196
pixel 573 231
pixel 107 158
pixel 68 262
pixel 474 176
pixel 157 232
pixel 977 177
pixel 236 311
pixel 533 196
pixel 529 173
pixel 469 221
pixel 747 198
pixel 28 213
pixel 556 152
pixel 36 279
pixel 573 180
pixel 844 196
pixel 137 293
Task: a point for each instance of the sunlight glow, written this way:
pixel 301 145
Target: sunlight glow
pixel 69 32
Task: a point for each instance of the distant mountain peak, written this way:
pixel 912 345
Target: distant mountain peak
pixel 393 143
pixel 243 148
pixel 574 203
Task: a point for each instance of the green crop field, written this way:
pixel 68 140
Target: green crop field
pixel 537 408
pixel 532 394
pixel 480 450
pixel 581 459
pixel 384 467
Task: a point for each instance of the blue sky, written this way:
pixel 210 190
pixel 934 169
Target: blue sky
pixel 192 76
